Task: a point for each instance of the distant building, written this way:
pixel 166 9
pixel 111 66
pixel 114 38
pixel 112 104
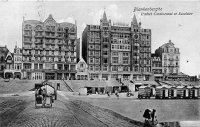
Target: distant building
pixel 9 69
pixel 49 49
pixel 117 51
pixel 157 67
pixel 17 62
pixel 170 57
pixel 3 52
pixel 82 70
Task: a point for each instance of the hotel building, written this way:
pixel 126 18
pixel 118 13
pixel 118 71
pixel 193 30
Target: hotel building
pixel 48 49
pixel 170 57
pixel 117 51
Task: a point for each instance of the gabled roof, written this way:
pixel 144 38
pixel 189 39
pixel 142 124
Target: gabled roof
pixel 169 44
pixel 9 54
pixel 50 19
pixel 82 61
pixel 104 17
pixel 135 20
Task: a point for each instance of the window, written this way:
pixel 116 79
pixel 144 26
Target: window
pixel 125 68
pixel 136 69
pixel 97 53
pixel 91 68
pixel 91 46
pixel 97 61
pixel 72 67
pixel 41 66
pixel 47 52
pixel 148 69
pixel 59 66
pixel 105 52
pixel 47 58
pixel 91 61
pixel 36 66
pixel 105 46
pixel 91 53
pixel 59 59
pixel 97 47
pixel 113 47
pixel 177 71
pixel 72 59
pixel 165 71
pixel 148 61
pixel 125 54
pixel 114 68
pixel 105 60
pixel 176 57
pixel 125 60
pixel 165 57
pixel 115 60
pixel 105 68
pixel 97 68
pixel 115 53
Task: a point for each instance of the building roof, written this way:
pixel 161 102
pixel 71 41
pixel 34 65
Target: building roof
pixel 33 21
pixel 180 87
pixel 135 20
pixel 146 82
pixel 9 54
pixel 169 44
pixel 104 17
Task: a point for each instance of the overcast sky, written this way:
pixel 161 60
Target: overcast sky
pixel 183 30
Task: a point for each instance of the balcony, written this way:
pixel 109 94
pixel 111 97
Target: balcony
pixel 27 47
pixel 63 49
pixel 39 30
pixel 136 57
pixel 59 31
pixel 38 36
pixel 53 30
pixel 26 60
pixel 47 30
pixel 48 48
pixel 59 43
pixel 171 65
pixel 50 36
pixel 27 35
pixel 27 28
pixel 27 42
pixel 73 37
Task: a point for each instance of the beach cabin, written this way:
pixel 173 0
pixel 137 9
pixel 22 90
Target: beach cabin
pixel 162 92
pixel 165 92
pixel 172 92
pixel 193 91
pixel 158 92
pixel 144 92
pixel 182 92
pixel 198 91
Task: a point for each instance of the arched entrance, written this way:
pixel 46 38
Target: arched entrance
pixel 8 75
pixel 17 75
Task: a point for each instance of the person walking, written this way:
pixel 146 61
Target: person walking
pixel 153 116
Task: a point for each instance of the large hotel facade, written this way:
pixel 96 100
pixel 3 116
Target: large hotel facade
pixel 117 51
pixel 48 49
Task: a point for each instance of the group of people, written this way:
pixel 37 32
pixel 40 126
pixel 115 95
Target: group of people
pixel 150 116
pixel 41 92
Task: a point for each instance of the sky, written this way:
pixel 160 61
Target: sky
pixel 182 30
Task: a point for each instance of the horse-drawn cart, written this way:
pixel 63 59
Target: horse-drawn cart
pixel 45 94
